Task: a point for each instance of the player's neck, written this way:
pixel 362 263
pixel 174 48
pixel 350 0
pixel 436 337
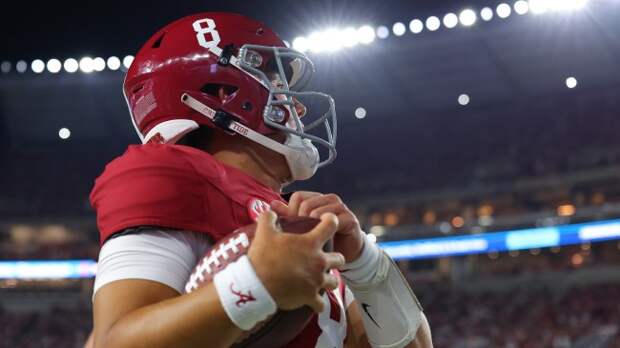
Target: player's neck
pixel 265 166
pixel 247 164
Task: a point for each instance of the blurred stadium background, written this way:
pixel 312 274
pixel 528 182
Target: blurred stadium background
pixel 478 144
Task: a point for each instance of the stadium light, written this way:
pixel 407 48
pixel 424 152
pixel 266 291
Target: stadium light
pixel 21 66
pixel 87 65
pixel 566 210
pixel 54 65
pixel 127 61
pixel 301 44
pixel 337 38
pixel 432 23
pixel 571 82
pixel 521 7
pixel 399 29
pixel 331 40
pixel 458 222
pixel 445 227
pixel 486 14
pixel 485 221
pixel 571 4
pixel 349 37
pixel 538 6
pixel 503 10
pixel 5 67
pixel 316 42
pixel 366 34
pixel 360 113
pixel 416 26
pixel 334 39
pixel 541 6
pixel 64 133
pixel 98 64
pixel 71 65
pixel 468 17
pixel 383 32
pixel 37 66
pixel 463 99
pixel 450 20
pixel 113 63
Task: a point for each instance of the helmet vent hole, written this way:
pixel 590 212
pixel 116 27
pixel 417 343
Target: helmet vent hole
pixel 137 89
pixel 157 42
pixel 214 90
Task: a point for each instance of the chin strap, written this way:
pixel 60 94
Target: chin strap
pixel 296 157
pixel 224 121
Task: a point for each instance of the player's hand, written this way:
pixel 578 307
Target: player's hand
pixel 293 267
pixel 348 238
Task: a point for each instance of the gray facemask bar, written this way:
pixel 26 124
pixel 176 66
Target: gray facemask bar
pixel 305 71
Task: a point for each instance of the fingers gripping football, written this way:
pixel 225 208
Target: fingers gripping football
pixel 298 198
pixel 293 266
pixel 310 205
pixel 314 204
pixel 348 238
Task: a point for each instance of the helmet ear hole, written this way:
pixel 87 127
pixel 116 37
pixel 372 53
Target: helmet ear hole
pixel 157 42
pixel 137 88
pixel 219 90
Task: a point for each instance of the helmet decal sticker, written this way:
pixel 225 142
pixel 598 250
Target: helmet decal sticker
pixel 202 32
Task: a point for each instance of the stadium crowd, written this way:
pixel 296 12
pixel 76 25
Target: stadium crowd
pixel 67 328
pixel 521 318
pixel 565 134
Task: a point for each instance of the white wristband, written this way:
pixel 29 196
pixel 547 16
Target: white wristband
pixel 242 294
pixel 363 269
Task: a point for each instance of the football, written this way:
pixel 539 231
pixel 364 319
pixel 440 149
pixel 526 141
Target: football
pixel 283 326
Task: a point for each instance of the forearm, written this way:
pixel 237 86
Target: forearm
pixel 191 320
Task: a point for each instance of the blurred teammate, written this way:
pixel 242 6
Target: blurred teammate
pixel 213 97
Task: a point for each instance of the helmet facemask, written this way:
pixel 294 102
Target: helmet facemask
pixel 293 71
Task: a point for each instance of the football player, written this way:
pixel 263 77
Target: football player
pixel 214 100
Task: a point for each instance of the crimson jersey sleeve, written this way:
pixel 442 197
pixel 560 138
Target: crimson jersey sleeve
pixel 150 186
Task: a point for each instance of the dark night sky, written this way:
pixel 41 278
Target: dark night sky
pixel 75 28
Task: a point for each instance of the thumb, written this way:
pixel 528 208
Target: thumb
pixel 266 223
pixel 280 208
pixel 317 304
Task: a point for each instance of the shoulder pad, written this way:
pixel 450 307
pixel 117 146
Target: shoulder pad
pixel 150 185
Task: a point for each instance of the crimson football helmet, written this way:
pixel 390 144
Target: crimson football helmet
pixel 172 88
